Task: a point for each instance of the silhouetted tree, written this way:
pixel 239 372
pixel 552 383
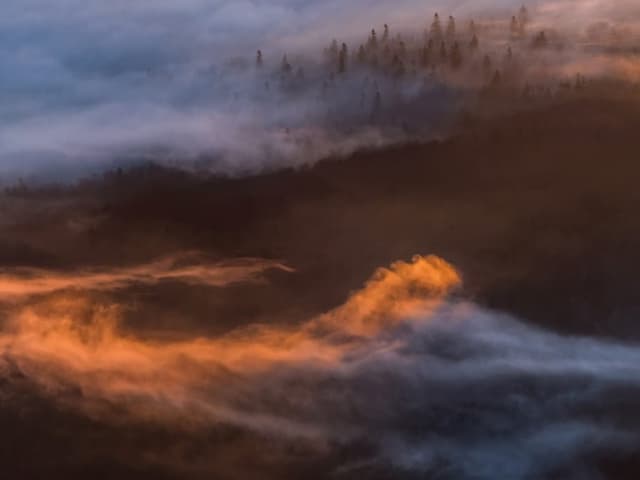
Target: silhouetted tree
pixel 333 52
pixel 426 56
pixel 497 79
pixel 443 52
pixel 456 56
pixel 487 65
pixel 474 44
pixel 342 59
pixel 523 17
pixel 473 30
pixel 515 27
pixel 436 28
pixel 373 40
pixel 402 49
pixel 362 55
pixel 400 68
pixel 509 55
pixel 451 29
pixel 377 105
pixel 386 53
pixel 385 35
pixel 285 66
pixel 259 61
pixel 540 40
pixel 397 66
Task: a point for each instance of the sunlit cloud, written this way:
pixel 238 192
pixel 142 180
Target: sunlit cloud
pixel 425 379
pixel 70 340
pixel 19 284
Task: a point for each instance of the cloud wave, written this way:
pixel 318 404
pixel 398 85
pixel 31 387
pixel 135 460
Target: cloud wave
pixel 433 384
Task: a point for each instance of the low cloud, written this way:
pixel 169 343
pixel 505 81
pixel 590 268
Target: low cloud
pixel 433 384
pixel 86 86
pixel 190 268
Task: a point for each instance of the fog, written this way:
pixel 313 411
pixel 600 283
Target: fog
pixel 91 86
pixel 469 392
pixel 208 211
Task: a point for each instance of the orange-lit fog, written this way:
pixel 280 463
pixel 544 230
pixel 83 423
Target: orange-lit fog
pixel 24 282
pixel 71 345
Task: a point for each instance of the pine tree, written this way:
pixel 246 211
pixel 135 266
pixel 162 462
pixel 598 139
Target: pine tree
pixel 523 19
pixel 451 29
pixel 456 56
pixel 497 79
pixel 443 52
pixel 377 105
pixel 402 49
pixel 426 56
pixel 473 30
pixel 397 66
pixel 515 26
pixel 342 59
pixel 362 55
pixel 436 28
pixel 523 16
pixel 285 65
pixel 540 41
pixel 333 52
pixel 487 64
pixel 373 40
pixel 474 44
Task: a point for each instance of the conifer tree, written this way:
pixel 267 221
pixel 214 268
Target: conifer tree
pixel 474 44
pixel 515 27
pixel 342 59
pixel 285 66
pixel 436 28
pixel 443 52
pixel 451 29
pixel 456 56
pixel 373 40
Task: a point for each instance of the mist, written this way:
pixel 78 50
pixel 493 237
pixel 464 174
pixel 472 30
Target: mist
pixel 473 393
pixel 88 87
pixel 209 218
